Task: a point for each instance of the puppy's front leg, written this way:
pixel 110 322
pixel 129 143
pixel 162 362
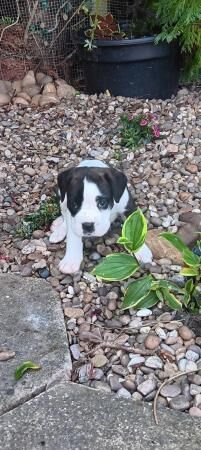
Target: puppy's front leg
pixel 74 253
pixel 59 230
pixel 144 255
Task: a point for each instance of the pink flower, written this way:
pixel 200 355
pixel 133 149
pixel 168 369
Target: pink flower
pixel 143 122
pixel 152 116
pixel 156 131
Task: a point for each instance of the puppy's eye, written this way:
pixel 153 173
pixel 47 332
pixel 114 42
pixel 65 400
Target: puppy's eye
pixel 102 202
pixel 75 205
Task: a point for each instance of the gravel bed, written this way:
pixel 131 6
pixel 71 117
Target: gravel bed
pixel 165 179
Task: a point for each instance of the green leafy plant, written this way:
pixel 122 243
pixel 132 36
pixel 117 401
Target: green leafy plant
pixel 20 370
pixel 105 25
pixel 191 270
pixel 102 27
pixel 47 212
pixel 145 291
pixel 138 130
pixel 181 20
pixel 6 20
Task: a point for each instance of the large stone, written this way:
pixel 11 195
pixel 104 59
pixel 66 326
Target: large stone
pixel 74 417
pixel 162 248
pixel 189 233
pixel 32 326
pixel 192 218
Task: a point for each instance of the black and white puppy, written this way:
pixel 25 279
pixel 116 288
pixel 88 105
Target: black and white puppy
pixel 92 195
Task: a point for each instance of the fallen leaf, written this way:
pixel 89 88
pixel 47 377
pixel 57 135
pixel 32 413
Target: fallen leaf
pixel 20 370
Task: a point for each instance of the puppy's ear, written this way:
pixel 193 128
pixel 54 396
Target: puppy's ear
pixel 118 182
pixel 64 181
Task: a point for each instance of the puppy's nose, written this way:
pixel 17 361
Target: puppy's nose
pixel 88 227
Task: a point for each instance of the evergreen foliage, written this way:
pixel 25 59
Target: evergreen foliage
pixel 181 19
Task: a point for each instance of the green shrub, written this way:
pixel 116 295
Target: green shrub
pixel 43 217
pixel 181 19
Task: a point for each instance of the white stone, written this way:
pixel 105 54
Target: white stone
pixel 145 330
pixel 154 362
pixel 192 356
pixel 124 393
pixel 191 366
pixel 182 364
pixel 29 248
pixel 71 290
pixel 136 361
pixel 75 350
pixel 144 312
pixel 161 333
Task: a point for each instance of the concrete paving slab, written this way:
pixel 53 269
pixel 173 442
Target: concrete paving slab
pixel 74 417
pixel 31 325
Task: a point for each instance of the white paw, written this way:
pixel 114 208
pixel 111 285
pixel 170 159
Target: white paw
pixel 69 266
pixel 144 255
pixel 58 234
pixel 56 223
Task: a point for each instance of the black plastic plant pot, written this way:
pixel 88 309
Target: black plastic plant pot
pixel 131 67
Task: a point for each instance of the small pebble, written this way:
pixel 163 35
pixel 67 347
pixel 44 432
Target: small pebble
pixel 192 356
pixel 147 386
pixel 152 341
pixel 185 333
pixel 99 360
pixel 44 273
pixel 154 362
pixel 75 350
pixel 179 403
pixel 124 393
pixel 144 312
pixel 195 411
pixel 170 390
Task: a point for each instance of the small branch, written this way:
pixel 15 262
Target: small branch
pixel 127 349
pixel 12 24
pixel 67 23
pixel 33 12
pixel 164 384
pixel 66 59
pixel 50 30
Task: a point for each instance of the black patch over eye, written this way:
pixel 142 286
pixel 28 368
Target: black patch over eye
pixel 75 205
pixel 102 202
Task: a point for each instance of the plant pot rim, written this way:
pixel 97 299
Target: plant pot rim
pixel 124 42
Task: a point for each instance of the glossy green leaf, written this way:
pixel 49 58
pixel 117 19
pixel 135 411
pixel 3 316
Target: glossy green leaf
pixel 116 267
pixel 175 241
pixel 20 370
pixel 189 272
pixel 186 299
pixel 191 259
pixel 167 285
pixel 123 240
pixel 148 301
pixel 171 300
pixel 136 291
pixel 135 231
pixel 189 286
pixel 159 295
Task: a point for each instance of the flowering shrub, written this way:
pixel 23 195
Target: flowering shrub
pixel 138 130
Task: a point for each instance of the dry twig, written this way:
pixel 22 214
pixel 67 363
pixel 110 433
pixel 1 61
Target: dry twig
pixel 67 23
pixel 14 23
pixel 32 15
pixel 164 384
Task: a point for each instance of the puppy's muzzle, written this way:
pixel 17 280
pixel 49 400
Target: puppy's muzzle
pixel 88 227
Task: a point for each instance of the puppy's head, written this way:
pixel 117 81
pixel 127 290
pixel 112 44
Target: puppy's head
pixel 91 193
